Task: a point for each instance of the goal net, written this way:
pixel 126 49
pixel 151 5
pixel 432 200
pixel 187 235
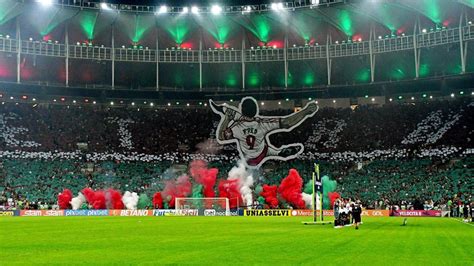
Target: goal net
pixel 202 206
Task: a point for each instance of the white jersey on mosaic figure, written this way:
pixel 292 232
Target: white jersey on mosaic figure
pixel 251 132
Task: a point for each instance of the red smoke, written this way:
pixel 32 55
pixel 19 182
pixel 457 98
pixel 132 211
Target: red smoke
pixel 290 189
pixel 114 200
pixel 204 176
pixel 179 189
pixel 332 198
pixel 157 201
pixel 96 199
pixel 99 200
pixel 64 198
pixel 230 189
pixel 89 194
pixel 270 195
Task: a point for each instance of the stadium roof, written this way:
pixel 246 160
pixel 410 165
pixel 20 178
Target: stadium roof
pixel 297 24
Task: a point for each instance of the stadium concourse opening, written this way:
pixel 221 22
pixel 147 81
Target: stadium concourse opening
pixel 186 133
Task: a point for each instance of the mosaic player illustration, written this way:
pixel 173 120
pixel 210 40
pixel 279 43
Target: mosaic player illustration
pixel 250 131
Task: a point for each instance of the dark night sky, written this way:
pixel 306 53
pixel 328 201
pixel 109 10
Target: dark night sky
pixel 189 2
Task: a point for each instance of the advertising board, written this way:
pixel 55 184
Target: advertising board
pixel 267 212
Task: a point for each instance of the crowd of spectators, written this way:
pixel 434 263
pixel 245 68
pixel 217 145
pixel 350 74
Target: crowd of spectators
pixel 390 155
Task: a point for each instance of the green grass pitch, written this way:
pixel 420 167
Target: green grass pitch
pixel 233 240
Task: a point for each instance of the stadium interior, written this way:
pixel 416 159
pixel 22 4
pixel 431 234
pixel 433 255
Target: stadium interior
pixel 317 109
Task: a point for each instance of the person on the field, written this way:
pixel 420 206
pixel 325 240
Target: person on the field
pixel 465 211
pixel 356 213
pixel 250 130
pixel 336 209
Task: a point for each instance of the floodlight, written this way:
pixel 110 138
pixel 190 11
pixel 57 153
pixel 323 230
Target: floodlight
pixel 215 9
pixel 185 10
pixel 163 9
pixel 104 6
pixel 194 10
pixel 276 6
pixel 45 2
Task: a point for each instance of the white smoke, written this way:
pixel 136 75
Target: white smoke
pixel 308 199
pixel 77 201
pixel 130 200
pixel 245 182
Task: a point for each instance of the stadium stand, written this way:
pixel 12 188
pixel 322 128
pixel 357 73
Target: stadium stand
pixel 426 147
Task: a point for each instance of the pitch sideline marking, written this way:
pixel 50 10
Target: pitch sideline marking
pixel 452 218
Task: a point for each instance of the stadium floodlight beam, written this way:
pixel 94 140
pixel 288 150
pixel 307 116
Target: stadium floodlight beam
pixel 104 6
pixel 45 2
pixel 194 9
pixel 276 6
pixel 216 9
pixel 163 9
pixel 185 10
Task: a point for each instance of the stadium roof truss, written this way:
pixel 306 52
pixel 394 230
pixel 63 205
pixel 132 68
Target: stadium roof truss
pixel 302 30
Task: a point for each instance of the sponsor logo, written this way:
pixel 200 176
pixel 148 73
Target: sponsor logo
pixel 30 213
pixel 414 213
pixel 7 213
pixel 164 212
pixel 134 212
pixel 302 213
pixel 210 212
pixel 310 213
pixel 53 213
pixel 375 213
pixel 41 213
pixel 213 212
pixel 267 213
pixel 187 212
pixel 86 213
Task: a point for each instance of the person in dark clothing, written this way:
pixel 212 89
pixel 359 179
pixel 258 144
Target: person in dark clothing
pixel 356 213
pixel 465 211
